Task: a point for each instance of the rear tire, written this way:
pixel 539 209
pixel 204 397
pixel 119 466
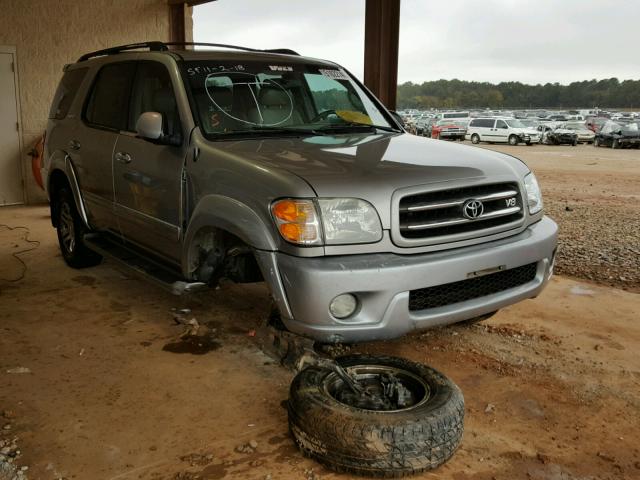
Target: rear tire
pixel 513 140
pixel 375 442
pixel 475 139
pixel 71 231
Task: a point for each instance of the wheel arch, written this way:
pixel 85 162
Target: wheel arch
pixel 62 173
pixel 228 215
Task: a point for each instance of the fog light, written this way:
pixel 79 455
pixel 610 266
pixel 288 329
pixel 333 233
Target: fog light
pixel 343 305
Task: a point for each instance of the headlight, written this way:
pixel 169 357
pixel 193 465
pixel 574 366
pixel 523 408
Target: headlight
pixel 534 195
pixel 349 220
pixel 297 221
pixel 344 221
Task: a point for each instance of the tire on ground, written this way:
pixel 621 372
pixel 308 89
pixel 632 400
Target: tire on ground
pixel 71 227
pixel 376 443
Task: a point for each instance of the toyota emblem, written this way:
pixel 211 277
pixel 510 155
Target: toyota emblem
pixel 472 209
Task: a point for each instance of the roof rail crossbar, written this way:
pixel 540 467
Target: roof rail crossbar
pixel 152 46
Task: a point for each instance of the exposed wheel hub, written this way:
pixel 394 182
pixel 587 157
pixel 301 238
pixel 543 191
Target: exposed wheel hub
pixel 381 388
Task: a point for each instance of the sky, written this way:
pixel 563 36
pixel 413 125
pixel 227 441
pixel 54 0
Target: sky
pixel 484 40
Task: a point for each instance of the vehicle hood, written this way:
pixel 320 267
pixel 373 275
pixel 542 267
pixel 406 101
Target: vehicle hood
pixel 525 131
pixel 373 166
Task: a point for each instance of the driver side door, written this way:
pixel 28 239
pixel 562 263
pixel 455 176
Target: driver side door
pixel 147 174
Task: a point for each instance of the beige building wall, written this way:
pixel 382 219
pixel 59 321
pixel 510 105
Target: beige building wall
pixel 51 33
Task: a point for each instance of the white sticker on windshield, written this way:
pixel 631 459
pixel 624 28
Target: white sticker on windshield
pixel 281 68
pixel 334 74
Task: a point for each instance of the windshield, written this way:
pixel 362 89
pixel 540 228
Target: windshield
pixel 255 96
pixel 515 124
pixel 611 127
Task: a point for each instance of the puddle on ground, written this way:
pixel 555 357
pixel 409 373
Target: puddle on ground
pixel 193 344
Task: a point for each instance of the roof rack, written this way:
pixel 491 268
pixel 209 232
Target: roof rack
pixel 164 46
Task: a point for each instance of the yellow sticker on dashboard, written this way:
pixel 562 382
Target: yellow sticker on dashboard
pixel 354 116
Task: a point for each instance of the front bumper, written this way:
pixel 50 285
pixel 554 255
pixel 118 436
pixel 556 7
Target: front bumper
pixel 382 283
pixel 529 138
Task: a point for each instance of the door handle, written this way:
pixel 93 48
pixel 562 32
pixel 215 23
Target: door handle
pixel 123 157
pixel 74 145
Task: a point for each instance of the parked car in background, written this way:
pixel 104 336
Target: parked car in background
pixel 616 135
pixel 584 134
pixel 595 123
pixel 556 135
pixel 501 130
pixel 421 124
pixel 426 131
pixel 532 123
pixel 449 130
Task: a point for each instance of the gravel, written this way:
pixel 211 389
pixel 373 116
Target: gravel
pixel 598 242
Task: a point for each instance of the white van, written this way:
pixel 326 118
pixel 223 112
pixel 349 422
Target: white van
pixel 501 130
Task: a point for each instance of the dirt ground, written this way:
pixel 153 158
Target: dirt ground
pixel 552 385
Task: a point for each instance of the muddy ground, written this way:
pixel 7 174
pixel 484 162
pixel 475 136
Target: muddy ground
pixel 110 391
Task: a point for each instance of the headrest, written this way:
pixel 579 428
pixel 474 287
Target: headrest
pixel 272 96
pixel 164 100
pixel 223 96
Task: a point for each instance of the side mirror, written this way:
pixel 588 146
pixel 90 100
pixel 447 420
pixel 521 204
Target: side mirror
pixel 397 117
pixel 149 125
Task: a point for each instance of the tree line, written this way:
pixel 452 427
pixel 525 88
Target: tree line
pixel 608 93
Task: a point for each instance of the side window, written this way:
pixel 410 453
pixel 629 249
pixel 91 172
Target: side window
pixel 153 92
pixel 475 123
pixel 66 92
pixel 501 124
pixel 109 98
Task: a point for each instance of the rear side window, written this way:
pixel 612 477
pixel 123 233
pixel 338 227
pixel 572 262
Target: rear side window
pixel 66 92
pixel 482 122
pixel 109 98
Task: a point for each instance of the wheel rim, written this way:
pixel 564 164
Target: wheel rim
pixel 388 389
pixel 67 228
pixel 512 140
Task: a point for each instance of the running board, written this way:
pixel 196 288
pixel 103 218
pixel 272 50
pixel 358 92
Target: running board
pixel 142 265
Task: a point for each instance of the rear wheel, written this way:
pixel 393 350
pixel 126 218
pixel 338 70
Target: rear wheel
pixel 71 231
pixel 475 138
pixel 513 140
pixel 410 418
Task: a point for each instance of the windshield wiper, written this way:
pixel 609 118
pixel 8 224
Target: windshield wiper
pixel 259 131
pixel 355 125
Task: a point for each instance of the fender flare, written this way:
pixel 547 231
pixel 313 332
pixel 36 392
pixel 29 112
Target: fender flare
pixel 232 216
pixel 61 161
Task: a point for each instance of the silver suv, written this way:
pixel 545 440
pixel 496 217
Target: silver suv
pixel 190 166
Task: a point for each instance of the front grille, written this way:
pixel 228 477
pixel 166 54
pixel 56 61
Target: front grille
pixel 463 290
pixel 434 214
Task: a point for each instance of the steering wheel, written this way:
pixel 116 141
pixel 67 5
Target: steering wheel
pixel 323 115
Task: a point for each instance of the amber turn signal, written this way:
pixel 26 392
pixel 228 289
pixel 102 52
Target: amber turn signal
pixel 297 220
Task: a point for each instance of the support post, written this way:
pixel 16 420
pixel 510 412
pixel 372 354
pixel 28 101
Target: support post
pixel 381 35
